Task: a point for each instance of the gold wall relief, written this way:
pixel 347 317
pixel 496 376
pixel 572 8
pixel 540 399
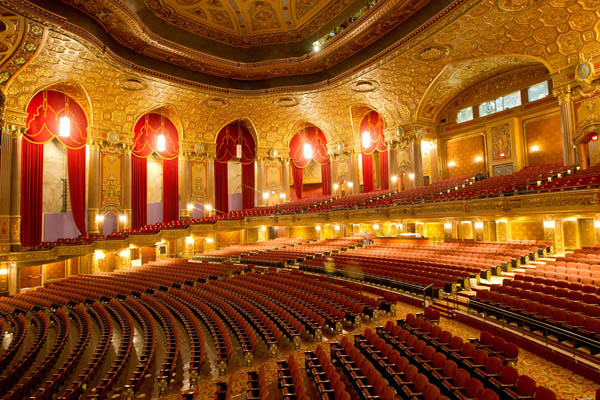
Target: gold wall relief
pixel 111 176
pixel 501 142
pixel 274 176
pixel 198 181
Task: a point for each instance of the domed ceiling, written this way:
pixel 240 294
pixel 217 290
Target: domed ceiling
pixel 247 44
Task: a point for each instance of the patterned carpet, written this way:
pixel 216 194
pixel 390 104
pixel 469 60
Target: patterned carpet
pixel 566 384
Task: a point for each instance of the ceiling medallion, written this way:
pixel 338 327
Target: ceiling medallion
pixel 518 5
pixel 215 102
pixel 365 86
pixel 286 102
pixel 130 83
pixel 432 53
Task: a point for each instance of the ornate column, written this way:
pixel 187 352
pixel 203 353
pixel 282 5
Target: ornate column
pixel 435 167
pixel 6 163
pixel 285 165
pixel 355 172
pixel 93 187
pixel 210 187
pixel 185 188
pixel 415 147
pixel 260 181
pixel 553 231
pixel 17 123
pixel 126 186
pixel 567 125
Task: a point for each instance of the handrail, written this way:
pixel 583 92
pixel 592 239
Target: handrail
pixel 425 295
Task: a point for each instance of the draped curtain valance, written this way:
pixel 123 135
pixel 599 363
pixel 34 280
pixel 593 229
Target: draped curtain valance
pixel 43 119
pixel 372 124
pixel 230 136
pixel 146 133
pixel 316 139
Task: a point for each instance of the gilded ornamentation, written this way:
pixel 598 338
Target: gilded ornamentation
pixel 501 142
pixel 518 5
pixel 130 83
pixel 286 101
pixel 111 180
pixel 433 53
pixel 365 86
pixel 569 42
pixel 221 18
pixel 263 15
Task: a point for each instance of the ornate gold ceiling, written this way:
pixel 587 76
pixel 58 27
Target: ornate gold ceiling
pixel 249 23
pixel 397 83
pixel 243 43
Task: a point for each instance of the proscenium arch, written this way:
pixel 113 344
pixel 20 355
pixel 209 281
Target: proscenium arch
pixel 69 88
pixel 518 60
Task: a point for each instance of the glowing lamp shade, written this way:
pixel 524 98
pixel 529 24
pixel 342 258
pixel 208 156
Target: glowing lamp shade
pixel 502 155
pixel 451 164
pixel 318 228
pixel 282 196
pixel 394 178
pixel 265 195
pixel 597 224
pixel 316 46
pixel 210 240
pixel 263 228
pixel 411 176
pixel 161 143
pixel 207 207
pixel 549 224
pixel 594 138
pixel 336 227
pixel 64 127
pixel 448 225
pixel 479 225
pixel 376 226
pixel 478 159
pixel 307 151
pixel 238 151
pixel 123 218
pixel 190 206
pixel 350 184
pixel 366 140
pixel 336 186
pixel 535 148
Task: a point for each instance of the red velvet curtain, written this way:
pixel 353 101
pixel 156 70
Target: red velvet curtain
pixel 139 190
pixel 76 171
pixel 227 140
pixel 248 185
pixel 326 178
pixel 170 190
pixel 32 174
pixel 221 191
pixel 297 176
pixel 385 181
pixel 367 167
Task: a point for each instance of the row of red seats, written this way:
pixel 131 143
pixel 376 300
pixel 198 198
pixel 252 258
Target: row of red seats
pixel 256 386
pixel 323 374
pixel 289 380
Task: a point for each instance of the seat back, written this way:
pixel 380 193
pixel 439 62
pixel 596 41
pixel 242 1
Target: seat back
pixel 525 386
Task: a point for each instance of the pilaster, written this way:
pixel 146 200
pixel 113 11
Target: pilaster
pixel 184 189
pixel 93 187
pixel 126 186
pixel 567 125
pixel 285 165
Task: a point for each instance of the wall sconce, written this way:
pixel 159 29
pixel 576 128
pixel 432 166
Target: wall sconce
pixel 448 225
pixel 124 253
pixel 336 227
pixel 597 224
pixel 535 148
pixel 123 218
pixel 336 186
pixel 282 196
pixel 394 178
pixel 350 184
pixel 478 159
pixel 189 240
pixel 209 240
pixel 451 164
pixel 479 225
pixel 411 176
pixel 376 227
pixel 265 195
pixel 99 255
pixel 207 207
pixel 502 155
pixel 263 228
pixel 190 207
pixel 99 218
pixel 318 228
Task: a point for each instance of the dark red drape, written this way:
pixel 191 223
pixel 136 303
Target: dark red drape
pixel 367 167
pixel 326 178
pixel 32 174
pixel 317 141
pixel 170 190
pixel 221 189
pixel 297 176
pixel 248 185
pixel 139 182
pixel 76 171
pixel 385 181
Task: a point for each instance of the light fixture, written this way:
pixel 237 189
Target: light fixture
pixel 190 207
pixel 366 139
pixel 411 176
pixel 478 159
pixel 336 227
pixel 282 196
pixel 99 218
pixel 161 143
pixel 597 223
pixel 451 164
pixel 318 228
pixel 336 186
pixel 350 184
pixel 207 207
pixel 263 228
pixel 99 255
pixel 594 138
pixel 209 240
pixel 535 148
pixel 316 46
pixel 124 253
pixel 394 178
pixel 307 151
pixel 549 224
pixel 123 218
pixel 238 151
pixel 502 155
pixel 4 271
pixel 448 225
pixel 265 195
pixel 479 225
pixel 400 226
pixel 189 240
pixel 64 127
pixel 376 226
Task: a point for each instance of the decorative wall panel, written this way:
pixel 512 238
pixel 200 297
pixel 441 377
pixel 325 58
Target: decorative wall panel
pixel 463 152
pixel 544 133
pixel 199 180
pixel 110 177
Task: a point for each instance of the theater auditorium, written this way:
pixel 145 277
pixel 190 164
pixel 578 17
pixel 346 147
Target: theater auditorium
pixel 300 199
